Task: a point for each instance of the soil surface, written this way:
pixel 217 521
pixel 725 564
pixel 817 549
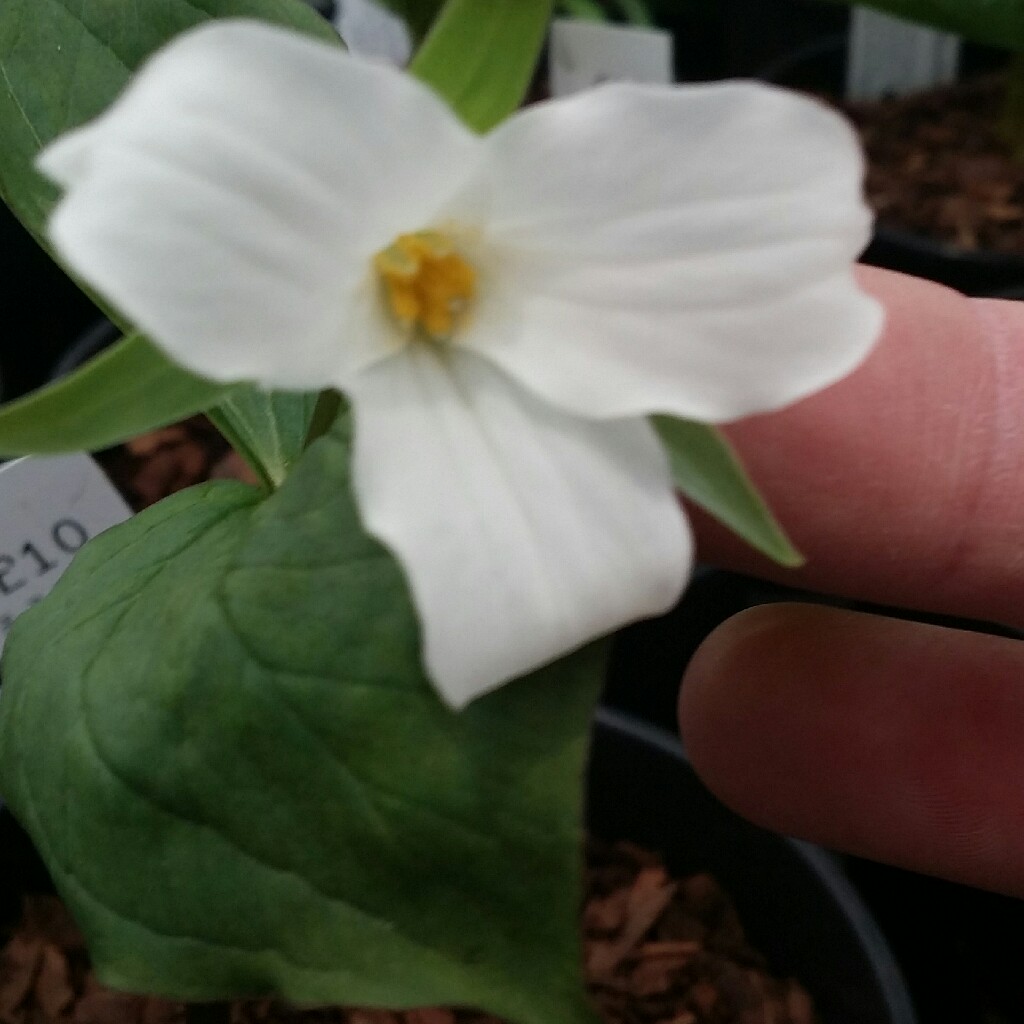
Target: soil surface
pixel 157 464
pixel 657 951
pixel 941 164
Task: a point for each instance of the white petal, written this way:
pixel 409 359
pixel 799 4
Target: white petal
pixel 231 201
pixel 678 250
pixel 523 532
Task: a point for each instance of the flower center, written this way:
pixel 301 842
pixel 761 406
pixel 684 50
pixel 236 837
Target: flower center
pixel 427 282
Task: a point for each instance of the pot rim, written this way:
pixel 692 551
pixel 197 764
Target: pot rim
pixel 823 865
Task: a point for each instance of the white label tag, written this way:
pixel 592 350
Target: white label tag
pixel 49 507
pixel 889 56
pixel 583 54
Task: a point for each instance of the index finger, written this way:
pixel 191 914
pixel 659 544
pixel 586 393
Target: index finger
pixel 904 483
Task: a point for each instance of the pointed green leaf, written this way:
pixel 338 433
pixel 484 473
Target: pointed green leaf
pixel 217 730
pixel 125 391
pixel 996 22
pixel 709 472
pixel 269 429
pixel 481 54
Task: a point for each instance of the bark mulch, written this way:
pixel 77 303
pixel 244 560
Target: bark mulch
pixel 941 164
pixel 658 950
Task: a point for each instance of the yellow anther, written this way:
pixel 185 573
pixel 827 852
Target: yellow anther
pixel 427 283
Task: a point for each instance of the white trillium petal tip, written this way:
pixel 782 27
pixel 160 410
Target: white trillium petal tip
pixel 523 532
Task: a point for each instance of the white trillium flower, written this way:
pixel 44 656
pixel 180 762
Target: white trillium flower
pixel 503 311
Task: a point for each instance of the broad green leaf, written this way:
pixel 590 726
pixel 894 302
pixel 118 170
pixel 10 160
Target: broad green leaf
pixel 996 22
pixel 62 62
pixel 481 54
pixel 269 429
pixel 217 730
pixel 125 391
pixel 709 472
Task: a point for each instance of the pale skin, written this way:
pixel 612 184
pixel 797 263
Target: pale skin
pixel 903 485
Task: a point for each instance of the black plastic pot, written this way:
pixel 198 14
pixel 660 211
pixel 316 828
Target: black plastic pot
pixel 793 898
pixel 101 335
pixel 799 42
pixel 43 310
pixel 973 273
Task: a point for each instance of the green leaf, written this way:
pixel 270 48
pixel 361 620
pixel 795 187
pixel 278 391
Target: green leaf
pixel 481 54
pixel 709 472
pixel 996 22
pixel 268 429
pixel 217 730
pixel 62 62
pixel 125 391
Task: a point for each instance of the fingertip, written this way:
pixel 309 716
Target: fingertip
pixel 902 483
pixel 894 740
pixel 738 711
pixel 712 697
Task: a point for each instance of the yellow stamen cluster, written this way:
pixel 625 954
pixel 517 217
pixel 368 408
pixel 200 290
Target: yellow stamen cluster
pixel 426 282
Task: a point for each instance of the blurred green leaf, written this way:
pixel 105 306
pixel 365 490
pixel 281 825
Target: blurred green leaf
pixel 123 392
pixel 481 55
pixel 709 472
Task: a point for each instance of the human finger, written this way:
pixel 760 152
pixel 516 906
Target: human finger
pixel 904 483
pixel 894 740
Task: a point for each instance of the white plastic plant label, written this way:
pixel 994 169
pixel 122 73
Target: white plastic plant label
pixel 49 507
pixel 583 54
pixel 890 56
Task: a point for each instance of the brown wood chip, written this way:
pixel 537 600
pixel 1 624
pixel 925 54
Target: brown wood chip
pixel 658 951
pixel 53 992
